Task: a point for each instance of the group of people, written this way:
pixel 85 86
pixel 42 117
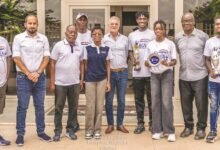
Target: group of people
pixel 101 62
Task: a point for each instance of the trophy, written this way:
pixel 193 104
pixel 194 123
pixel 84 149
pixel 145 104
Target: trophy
pixel 215 62
pixel 137 66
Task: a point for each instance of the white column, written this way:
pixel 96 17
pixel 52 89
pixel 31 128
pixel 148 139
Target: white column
pixel 41 15
pixel 178 27
pixel 153 13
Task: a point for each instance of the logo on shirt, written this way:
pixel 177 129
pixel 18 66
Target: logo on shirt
pixel 164 54
pixel 215 59
pixel 2 51
pixel 142 43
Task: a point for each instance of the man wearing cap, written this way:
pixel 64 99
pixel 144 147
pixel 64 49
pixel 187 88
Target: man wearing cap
pixel 119 74
pixel 5 54
pixel 83 38
pixel 84 35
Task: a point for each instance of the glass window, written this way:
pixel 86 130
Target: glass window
pixel 96 17
pixel 53 23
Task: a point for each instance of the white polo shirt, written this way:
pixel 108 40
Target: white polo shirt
pixel 84 39
pixel 4 53
pixel 31 50
pixel 67 68
pixel 142 38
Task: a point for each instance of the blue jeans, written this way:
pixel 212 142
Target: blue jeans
pixel 26 88
pixel 214 94
pixel 119 81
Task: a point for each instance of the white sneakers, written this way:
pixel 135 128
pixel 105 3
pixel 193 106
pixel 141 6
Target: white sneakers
pixel 171 137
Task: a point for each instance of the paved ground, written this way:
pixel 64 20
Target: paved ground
pixel 114 141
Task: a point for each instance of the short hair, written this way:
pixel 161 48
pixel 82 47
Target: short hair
pixel 97 28
pixel 142 13
pixel 190 14
pixel 71 25
pixel 217 17
pixel 161 23
pixel 30 15
pixel 115 18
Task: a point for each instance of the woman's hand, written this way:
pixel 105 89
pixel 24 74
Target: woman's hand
pixel 108 87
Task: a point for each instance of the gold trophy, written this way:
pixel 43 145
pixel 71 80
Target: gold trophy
pixel 137 66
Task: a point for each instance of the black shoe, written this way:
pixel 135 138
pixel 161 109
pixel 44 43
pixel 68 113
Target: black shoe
pixel 139 129
pixel 45 137
pixel 76 128
pixel 56 137
pixel 71 135
pixel 200 134
pixel 212 137
pixel 186 132
pixel 20 140
pixel 4 142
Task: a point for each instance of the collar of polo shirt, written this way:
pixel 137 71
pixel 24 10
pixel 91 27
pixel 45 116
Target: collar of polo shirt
pixel 109 34
pixel 192 34
pixel 93 44
pixel 67 43
pixel 26 35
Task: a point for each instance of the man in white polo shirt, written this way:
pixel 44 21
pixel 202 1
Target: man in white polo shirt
pixel 83 38
pixel 5 54
pixel 84 35
pixel 138 41
pixel 66 61
pixel 31 56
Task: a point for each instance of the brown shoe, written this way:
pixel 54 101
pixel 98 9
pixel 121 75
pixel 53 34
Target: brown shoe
pixel 109 129
pixel 122 129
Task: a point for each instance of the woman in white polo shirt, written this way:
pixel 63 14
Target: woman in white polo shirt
pixel 161 57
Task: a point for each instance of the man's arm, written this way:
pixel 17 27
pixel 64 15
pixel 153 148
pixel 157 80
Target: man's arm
pixel 52 74
pixel 108 86
pixel 81 74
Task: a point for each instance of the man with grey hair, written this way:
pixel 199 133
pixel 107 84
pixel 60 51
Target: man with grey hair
pixel 119 74
pixel 193 76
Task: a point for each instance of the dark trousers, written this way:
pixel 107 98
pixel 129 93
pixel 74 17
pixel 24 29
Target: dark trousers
pixel 142 86
pixel 198 90
pixel 72 94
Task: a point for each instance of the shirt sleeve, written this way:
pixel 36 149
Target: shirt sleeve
pixel 46 47
pixel 173 50
pixel 207 50
pixel 109 57
pixel 16 47
pixel 146 53
pixel 54 53
pixel 130 47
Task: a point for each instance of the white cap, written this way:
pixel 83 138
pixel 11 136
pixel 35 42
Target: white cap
pixel 80 15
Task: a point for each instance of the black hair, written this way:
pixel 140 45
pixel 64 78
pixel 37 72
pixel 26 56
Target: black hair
pixel 142 13
pixel 161 23
pixel 97 28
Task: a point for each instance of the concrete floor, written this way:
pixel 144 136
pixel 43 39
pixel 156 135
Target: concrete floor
pixel 114 141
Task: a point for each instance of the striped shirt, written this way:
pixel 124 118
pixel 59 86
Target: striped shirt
pixel 119 49
pixel 191 49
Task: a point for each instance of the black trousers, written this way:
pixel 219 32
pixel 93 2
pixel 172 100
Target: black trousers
pixel 142 87
pixel 198 90
pixel 72 94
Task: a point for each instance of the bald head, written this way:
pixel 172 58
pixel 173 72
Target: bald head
pixel 188 23
pixel 188 16
pixel 31 16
